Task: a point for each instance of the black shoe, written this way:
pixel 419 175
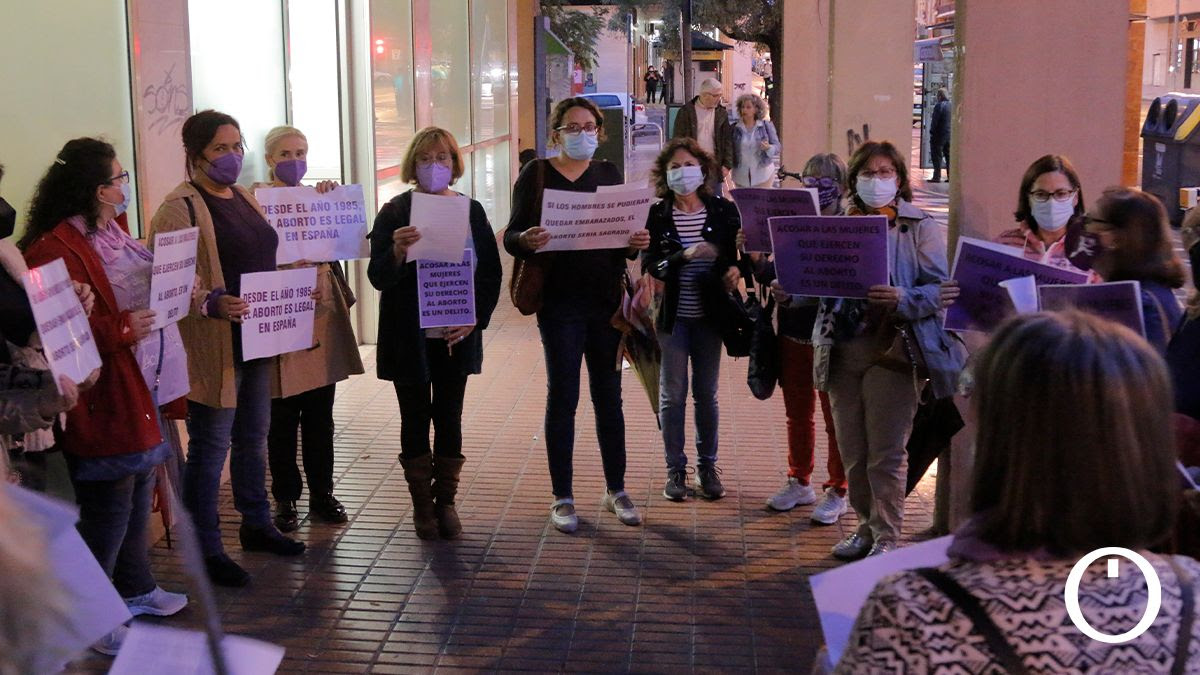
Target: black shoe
pixel 287 519
pixel 709 482
pixel 935 180
pixel 268 539
pixel 222 571
pixel 676 488
pixel 327 509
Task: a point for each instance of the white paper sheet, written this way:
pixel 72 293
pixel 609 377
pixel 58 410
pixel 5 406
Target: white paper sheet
pixel 94 608
pixel 840 593
pixel 316 227
pixel 152 648
pixel 1023 293
pixel 61 322
pixel 281 312
pixel 173 275
pixel 580 221
pixel 444 224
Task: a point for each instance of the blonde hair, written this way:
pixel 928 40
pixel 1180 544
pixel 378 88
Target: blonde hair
pixel 425 139
pixel 31 601
pixel 274 136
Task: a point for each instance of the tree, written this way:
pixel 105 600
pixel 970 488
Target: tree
pixel 578 30
pixel 757 21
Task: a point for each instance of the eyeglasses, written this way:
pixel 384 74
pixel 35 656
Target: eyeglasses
pixel 122 177
pixel 819 181
pixel 440 157
pixel 575 128
pixel 1042 196
pixel 882 173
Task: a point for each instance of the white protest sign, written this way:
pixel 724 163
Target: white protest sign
pixel 173 275
pixel 446 291
pixel 61 323
pixel 92 606
pixel 841 592
pixel 444 224
pixel 580 221
pixel 316 227
pixel 151 648
pixel 281 312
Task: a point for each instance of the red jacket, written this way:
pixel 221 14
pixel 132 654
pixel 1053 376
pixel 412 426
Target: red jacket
pixel 116 416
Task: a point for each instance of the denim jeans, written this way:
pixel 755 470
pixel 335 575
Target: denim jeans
pixel 438 402
pixel 113 515
pixel 311 414
pixel 697 341
pixel 212 432
pixel 567 342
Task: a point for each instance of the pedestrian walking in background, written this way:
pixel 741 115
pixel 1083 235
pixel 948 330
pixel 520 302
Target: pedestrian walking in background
pixel 874 398
pixel 668 82
pixel 693 236
pixel 582 291
pixel 229 406
pixel 652 80
pixel 428 368
pixel 755 144
pixel 303 383
pixel 939 136
pixel 826 173
pixel 706 121
pixel 115 437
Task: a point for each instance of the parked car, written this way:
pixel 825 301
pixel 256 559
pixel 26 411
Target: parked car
pixel 635 113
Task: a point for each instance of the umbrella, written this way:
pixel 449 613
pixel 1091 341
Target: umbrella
pixel 639 345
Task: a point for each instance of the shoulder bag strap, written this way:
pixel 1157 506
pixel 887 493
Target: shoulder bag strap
pixel 1187 616
pixel 191 210
pixel 1162 316
pixel 983 624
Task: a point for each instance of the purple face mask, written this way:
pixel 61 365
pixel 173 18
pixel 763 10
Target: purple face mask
pixel 225 169
pixel 290 171
pixel 828 195
pixel 433 177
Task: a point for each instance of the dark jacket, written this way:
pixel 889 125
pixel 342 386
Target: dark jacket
pixel 664 259
pixel 95 426
pixel 686 125
pixel 939 122
pixel 400 355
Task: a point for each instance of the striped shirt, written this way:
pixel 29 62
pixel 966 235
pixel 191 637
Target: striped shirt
pixel 691 276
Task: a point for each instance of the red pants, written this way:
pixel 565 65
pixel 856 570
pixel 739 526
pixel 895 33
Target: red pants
pixel 800 402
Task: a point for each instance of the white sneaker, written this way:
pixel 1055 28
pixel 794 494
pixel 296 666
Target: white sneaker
pixel 620 504
pixel 156 603
pixel 562 515
pixel 791 495
pixel 831 507
pixel 110 644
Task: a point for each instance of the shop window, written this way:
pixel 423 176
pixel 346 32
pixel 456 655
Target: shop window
pixel 450 70
pixel 392 91
pixel 489 69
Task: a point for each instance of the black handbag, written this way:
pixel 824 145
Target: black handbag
pixel 734 315
pixel 763 373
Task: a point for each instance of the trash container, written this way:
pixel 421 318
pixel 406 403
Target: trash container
pixel 1171 150
pixel 615 140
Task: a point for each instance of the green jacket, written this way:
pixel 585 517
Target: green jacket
pixel 686 125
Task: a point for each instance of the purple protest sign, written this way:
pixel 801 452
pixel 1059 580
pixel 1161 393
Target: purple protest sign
pixel 446 292
pixel 830 256
pixel 1119 301
pixel 756 205
pixel 979 267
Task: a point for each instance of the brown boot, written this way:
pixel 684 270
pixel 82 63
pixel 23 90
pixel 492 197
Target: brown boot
pixel 419 474
pixel 445 485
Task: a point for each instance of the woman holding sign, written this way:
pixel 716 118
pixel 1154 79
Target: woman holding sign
pixel 867 350
pixel 429 367
pixel 693 236
pixel 114 438
pixel 1135 245
pixel 1050 215
pixel 229 407
pixel 581 293
pixel 303 383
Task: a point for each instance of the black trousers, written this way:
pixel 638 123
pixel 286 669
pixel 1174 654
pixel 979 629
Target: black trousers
pixel 310 416
pixel 940 148
pixel 438 402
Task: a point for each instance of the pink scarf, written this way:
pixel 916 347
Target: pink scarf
pixel 109 242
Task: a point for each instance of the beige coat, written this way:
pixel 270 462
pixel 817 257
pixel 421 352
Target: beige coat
pixel 334 354
pixel 209 341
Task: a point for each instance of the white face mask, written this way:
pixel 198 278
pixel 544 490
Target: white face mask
pixel 876 192
pixel 1053 215
pixel 685 180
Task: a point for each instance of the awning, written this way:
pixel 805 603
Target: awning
pixel 702 42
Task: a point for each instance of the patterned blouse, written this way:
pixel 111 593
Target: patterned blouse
pixel 909 626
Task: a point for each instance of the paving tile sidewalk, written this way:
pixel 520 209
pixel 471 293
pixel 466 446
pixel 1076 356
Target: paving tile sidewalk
pixel 701 587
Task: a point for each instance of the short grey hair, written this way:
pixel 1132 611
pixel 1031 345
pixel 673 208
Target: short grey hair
pixel 826 164
pixel 711 84
pixel 760 107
